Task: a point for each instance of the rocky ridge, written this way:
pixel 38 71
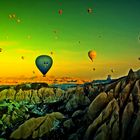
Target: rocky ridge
pixel 103 112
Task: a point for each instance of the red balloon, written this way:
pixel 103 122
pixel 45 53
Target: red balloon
pixel 60 11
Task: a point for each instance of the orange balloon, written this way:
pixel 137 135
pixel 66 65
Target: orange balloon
pixel 92 55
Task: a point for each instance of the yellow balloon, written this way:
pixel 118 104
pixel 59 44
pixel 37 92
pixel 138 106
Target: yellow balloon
pixel 92 55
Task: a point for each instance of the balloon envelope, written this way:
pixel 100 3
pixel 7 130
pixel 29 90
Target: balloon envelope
pixel 22 57
pixel 51 53
pixel 60 11
pixel 92 55
pixel 89 10
pixel 112 70
pixel 44 63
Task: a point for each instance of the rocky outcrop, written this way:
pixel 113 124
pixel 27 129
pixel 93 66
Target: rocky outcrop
pixel 97 105
pixel 77 101
pixel 37 127
pixel 118 118
pixel 34 96
pixel 108 111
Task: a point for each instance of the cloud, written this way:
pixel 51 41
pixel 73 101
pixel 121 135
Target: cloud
pixel 8 43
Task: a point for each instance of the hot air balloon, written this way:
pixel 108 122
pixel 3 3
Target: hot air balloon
pixel 92 55
pixel 14 15
pixel 112 70
pixel 55 31
pixel 44 63
pixel 60 12
pixel 18 20
pixel 51 53
pixel 89 10
pixel 0 49
pixel 10 16
pixel 22 57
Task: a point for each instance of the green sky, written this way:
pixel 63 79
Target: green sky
pixel 112 30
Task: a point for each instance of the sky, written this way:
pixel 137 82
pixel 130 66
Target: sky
pixel 30 28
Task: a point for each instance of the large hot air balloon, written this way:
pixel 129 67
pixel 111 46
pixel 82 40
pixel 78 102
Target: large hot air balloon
pixel 44 63
pixel 92 55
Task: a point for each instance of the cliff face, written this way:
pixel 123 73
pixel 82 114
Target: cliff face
pixel 117 114
pixel 108 111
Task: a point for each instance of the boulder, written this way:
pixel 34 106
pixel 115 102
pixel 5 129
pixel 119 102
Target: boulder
pixel 126 119
pixel 104 115
pixel 97 105
pixel 102 133
pixel 36 127
pixel 68 125
pixel 78 100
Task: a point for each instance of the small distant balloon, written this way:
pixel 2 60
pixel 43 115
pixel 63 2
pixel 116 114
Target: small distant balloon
pixel 55 31
pixel 94 69
pixel 18 20
pixel 44 63
pixel 51 53
pixel 112 70
pixel 92 55
pixel 22 57
pixel 10 16
pixel 14 15
pixel 89 10
pixel 0 49
pixel 60 12
pixel 139 58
